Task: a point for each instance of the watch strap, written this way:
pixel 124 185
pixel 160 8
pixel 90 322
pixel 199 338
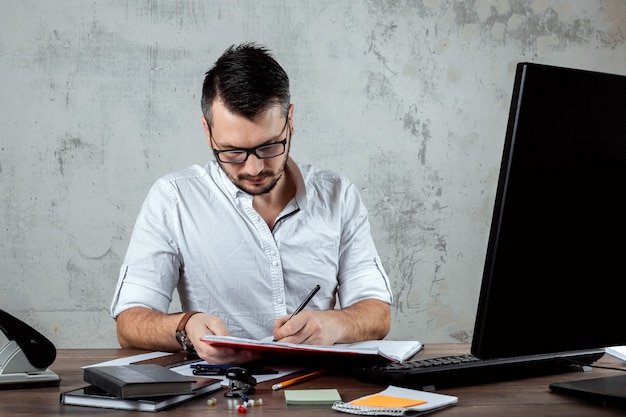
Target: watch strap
pixel 181 334
pixel 184 320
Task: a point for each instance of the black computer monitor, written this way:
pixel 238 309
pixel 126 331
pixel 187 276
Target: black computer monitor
pixel 555 273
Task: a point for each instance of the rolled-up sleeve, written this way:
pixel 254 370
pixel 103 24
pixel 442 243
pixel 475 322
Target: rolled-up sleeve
pixel 152 265
pixel 361 273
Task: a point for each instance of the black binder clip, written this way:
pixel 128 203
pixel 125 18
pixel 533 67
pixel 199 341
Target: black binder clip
pixel 241 382
pixel 25 355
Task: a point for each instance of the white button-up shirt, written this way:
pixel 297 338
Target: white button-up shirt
pixel 199 233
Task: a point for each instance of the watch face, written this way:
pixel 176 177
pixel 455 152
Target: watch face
pixel 184 341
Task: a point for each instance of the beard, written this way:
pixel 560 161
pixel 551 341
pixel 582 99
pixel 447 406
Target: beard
pixel 254 190
pixel 266 187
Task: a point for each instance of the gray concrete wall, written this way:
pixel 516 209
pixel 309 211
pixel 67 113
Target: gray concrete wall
pixel 408 98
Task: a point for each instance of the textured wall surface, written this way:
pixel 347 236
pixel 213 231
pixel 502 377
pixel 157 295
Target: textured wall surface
pixel 407 98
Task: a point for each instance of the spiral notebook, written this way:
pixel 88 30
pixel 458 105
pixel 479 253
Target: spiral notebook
pixel 388 350
pixel 396 401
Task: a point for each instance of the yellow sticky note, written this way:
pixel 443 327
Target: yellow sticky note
pixel 386 401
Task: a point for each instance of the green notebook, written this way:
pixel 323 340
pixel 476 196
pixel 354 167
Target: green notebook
pixel 312 396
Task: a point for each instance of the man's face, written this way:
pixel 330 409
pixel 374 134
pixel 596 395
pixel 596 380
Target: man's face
pixel 261 170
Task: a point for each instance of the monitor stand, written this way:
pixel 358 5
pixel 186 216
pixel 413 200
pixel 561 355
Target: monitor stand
pixel 610 390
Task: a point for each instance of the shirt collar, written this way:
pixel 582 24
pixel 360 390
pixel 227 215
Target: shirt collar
pixel 296 175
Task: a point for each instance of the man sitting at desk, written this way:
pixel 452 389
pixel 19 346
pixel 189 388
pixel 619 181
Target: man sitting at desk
pixel 246 237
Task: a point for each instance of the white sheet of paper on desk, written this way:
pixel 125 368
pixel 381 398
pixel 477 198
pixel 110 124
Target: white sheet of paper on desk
pixel 282 371
pixel 187 371
pixel 618 351
pixel 130 359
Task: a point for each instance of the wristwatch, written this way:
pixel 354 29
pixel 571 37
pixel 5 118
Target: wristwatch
pixel 181 333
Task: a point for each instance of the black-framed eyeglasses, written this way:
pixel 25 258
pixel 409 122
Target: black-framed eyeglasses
pixel 240 155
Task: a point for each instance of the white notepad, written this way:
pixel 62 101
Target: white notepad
pixel 396 401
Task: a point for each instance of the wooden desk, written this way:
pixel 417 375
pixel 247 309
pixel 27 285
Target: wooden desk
pixel 515 398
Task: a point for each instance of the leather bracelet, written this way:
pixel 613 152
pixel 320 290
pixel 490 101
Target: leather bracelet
pixel 181 333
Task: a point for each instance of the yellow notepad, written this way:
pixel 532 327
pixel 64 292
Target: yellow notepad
pixel 312 396
pixel 379 400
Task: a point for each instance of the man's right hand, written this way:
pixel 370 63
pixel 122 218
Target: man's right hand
pixel 144 328
pixel 201 324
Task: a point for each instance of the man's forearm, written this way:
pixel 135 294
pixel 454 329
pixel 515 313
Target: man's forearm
pixel 365 320
pixel 143 328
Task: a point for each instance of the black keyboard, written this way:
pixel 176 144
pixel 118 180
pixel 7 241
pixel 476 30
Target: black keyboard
pixel 462 370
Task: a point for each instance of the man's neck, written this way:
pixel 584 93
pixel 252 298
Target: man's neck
pixel 270 205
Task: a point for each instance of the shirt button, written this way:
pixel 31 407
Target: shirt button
pixel 279 300
pixel 272 252
pixel 274 263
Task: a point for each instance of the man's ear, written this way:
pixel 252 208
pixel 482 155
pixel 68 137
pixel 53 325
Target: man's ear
pixel 207 131
pixel 290 116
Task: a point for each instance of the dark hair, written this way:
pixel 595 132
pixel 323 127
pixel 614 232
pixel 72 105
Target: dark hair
pixel 248 80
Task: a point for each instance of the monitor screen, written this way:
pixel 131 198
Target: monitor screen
pixel 554 277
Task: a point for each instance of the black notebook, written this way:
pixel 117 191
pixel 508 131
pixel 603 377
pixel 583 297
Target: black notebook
pixel 134 381
pixel 91 396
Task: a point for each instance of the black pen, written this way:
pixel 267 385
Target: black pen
pixel 304 303
pixel 210 369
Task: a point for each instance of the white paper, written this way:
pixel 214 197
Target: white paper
pixel 618 351
pixel 188 371
pixel 282 371
pixel 130 359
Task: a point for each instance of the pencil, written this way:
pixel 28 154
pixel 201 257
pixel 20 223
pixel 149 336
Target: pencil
pixel 297 380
